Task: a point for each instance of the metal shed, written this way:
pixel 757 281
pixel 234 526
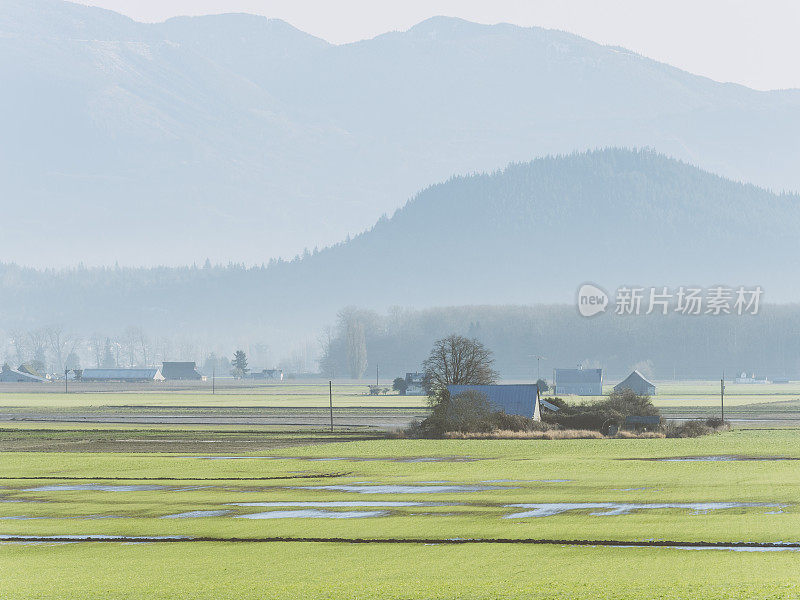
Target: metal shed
pixel 579 382
pixel 513 399
pixel 180 371
pixel 128 375
pixel 638 383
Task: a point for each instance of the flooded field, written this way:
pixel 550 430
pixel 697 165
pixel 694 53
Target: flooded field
pixel 688 500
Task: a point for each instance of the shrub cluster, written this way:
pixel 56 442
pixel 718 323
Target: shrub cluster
pixel 600 416
pixel 470 416
pixel 696 428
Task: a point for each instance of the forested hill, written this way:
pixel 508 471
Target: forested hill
pixel 533 231
pixel 529 234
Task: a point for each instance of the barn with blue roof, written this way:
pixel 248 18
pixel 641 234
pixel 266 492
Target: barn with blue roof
pixel 513 399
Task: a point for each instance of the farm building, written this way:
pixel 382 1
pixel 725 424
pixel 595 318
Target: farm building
pixel 126 375
pixel 266 374
pixel 180 371
pixel 514 399
pixel 638 383
pixel 415 384
pixel 745 378
pixel 579 382
pixel 21 375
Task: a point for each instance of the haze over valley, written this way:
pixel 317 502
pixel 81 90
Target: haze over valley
pixel 231 180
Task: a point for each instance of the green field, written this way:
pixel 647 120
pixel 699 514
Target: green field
pixel 389 518
pixel 504 473
pixel 346 394
pixel 155 395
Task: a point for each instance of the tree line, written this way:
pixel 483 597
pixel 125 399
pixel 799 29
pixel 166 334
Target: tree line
pixel 661 347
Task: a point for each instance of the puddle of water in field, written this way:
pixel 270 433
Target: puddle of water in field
pixel 34 543
pixel 739 548
pixel 314 514
pixel 403 489
pixel 363 504
pixel 600 544
pixel 526 481
pixel 607 509
pixel 83 517
pixel 88 538
pixel 720 458
pixel 424 459
pixel 192 514
pixel 231 457
pixel 408 459
pixel 97 487
pixel 728 548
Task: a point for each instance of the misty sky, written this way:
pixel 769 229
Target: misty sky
pixel 746 41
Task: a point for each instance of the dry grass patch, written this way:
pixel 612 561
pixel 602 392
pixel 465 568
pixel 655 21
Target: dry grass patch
pixel 644 435
pixel 504 434
pixel 550 434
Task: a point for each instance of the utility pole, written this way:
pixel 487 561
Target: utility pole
pixel 330 397
pixel 538 370
pixel 722 395
pixel 376 376
pixel 66 381
pixel 213 380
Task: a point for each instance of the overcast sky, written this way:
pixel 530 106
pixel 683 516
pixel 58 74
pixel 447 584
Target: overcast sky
pixel 754 42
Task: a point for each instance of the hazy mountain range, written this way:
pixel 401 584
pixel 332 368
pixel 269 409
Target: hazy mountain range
pixel 529 234
pixel 238 137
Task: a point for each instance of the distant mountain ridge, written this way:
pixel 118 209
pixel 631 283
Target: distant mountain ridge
pixel 241 138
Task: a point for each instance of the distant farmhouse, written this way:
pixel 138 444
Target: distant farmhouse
pixel 126 375
pixel 579 382
pixel 638 383
pixel 415 384
pixel 514 399
pixel 266 374
pixel 20 375
pixel 745 378
pixel 180 371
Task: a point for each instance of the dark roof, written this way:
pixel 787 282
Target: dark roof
pixel 567 376
pixel 150 373
pixel 634 381
pixel 25 368
pixel 514 399
pixel 180 370
pixel 548 405
pixel 10 375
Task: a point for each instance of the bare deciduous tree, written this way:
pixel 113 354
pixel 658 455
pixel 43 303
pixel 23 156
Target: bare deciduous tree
pixel 38 345
pixel 20 342
pixel 144 348
pixel 96 344
pixel 356 349
pixel 458 360
pixel 327 362
pixel 129 341
pixel 61 345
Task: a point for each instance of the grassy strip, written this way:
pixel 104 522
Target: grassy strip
pixel 310 571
